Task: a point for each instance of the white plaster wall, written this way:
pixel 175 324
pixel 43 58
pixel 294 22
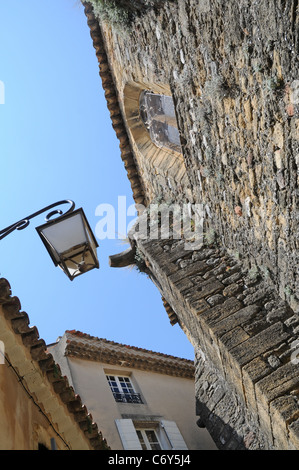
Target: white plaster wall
pixel 165 397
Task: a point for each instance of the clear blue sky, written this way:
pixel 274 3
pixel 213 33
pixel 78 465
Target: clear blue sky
pixel 56 143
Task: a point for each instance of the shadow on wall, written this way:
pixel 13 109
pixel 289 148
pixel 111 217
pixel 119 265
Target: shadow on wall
pixel 223 414
pixel 224 436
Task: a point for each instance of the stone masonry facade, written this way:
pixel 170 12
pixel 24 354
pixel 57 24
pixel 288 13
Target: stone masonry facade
pixel 231 68
pixel 246 344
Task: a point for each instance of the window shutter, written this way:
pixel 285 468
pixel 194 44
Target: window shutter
pixel 175 437
pixel 128 434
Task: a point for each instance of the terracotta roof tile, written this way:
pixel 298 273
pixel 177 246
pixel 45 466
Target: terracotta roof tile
pixel 79 344
pixel 19 321
pixel 111 96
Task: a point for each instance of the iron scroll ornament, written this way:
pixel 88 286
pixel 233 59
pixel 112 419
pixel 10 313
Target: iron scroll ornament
pixel 23 223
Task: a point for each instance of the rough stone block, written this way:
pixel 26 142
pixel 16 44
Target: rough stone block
pixel 212 350
pixel 252 373
pixel 231 371
pixel 185 285
pixel 236 319
pixel 198 267
pixel 206 289
pixel 284 411
pixel 279 383
pixel 215 300
pixel 232 290
pixel 220 312
pixel 260 343
pixel 232 279
pixel 198 306
pixel 294 433
pixel 234 337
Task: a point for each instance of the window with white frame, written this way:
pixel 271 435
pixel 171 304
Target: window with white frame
pixel 123 390
pixel 148 439
pixel 155 435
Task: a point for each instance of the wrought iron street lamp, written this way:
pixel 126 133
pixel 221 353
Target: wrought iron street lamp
pixel 68 238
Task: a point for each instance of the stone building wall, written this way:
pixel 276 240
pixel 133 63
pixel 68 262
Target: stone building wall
pixel 232 70
pixel 246 343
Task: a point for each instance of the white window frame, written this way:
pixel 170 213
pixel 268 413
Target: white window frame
pixel 167 433
pixel 145 439
pixel 123 394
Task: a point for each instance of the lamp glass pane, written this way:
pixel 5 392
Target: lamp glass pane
pixel 66 234
pixel 80 263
